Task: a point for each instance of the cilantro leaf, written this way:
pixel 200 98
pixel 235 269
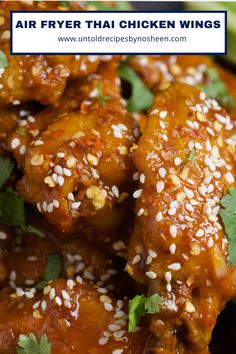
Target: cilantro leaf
pixel 141 97
pixel 228 216
pixel 65 3
pixel 191 156
pixel 3 60
pixel 140 305
pixel 100 97
pixel 52 270
pixel 12 212
pixel 152 303
pixel 6 167
pixel 99 5
pixel 216 88
pixel 30 345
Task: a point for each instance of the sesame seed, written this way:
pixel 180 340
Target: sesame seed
pixel 107 306
pixel 162 172
pixel 210 242
pixel 191 145
pixel 189 207
pixel 135 176
pixel 229 177
pixel 163 114
pixel 56 203
pixel 15 143
pixel 177 161
pixel 58 300
pixel 160 186
pixel 210 131
pixel 75 205
pixel 198 146
pixel 71 197
pixel 136 259
pixel 43 305
pixel 200 233
pixel 168 277
pixel 92 159
pixel 137 193
pixel 140 212
pixel 37 160
pixel 3 235
pixel 173 230
pixel 168 287
pixel 172 248
pixel 202 96
pixel 117 351
pixel 58 170
pixel 119 245
pixel 115 191
pixel 50 208
pixel 52 294
pixel 119 334
pixel 159 216
pixel 142 178
pixel 172 211
pixel 60 180
pixel 189 307
pixel 102 341
pixel 151 275
pixel 67 172
pixel 174 266
pixel 65 295
pixel 113 327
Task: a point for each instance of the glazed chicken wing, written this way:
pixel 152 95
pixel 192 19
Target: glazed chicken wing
pixel 40 78
pixel 178 248
pixel 77 169
pixel 76 317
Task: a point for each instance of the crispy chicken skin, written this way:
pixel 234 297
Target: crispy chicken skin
pixel 77 169
pixel 178 248
pixel 40 78
pixel 76 317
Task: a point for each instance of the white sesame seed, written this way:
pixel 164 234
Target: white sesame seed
pixel 152 253
pixel 50 208
pixel 210 131
pixel 210 242
pixel 220 118
pixel 71 197
pixel 43 305
pixel 189 207
pixel 67 172
pixel 229 177
pixel 160 186
pixel 135 176
pixel 191 145
pixel 75 205
pixel 108 307
pixel 115 191
pixel 60 180
pixel 168 287
pixel 38 142
pixel 136 259
pixel 15 143
pixel 163 114
pixel 56 203
pixel 177 161
pixel 202 96
pixel 142 178
pixel 162 172
pixel 172 248
pixel 173 230
pixel 200 233
pixel 172 211
pixel 113 327
pixel 22 150
pixel 52 294
pixel 65 295
pixel 58 300
pixel 3 235
pixel 117 351
pixel 102 341
pixel 60 155
pixel 198 146
pixel 168 277
pixel 70 283
pixel 151 275
pixel 149 260
pixel 174 266
pixel 137 193
pixel 140 212
pixel 58 170
pixel 159 216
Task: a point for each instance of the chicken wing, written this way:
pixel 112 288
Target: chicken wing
pixel 40 78
pixel 178 248
pixel 68 312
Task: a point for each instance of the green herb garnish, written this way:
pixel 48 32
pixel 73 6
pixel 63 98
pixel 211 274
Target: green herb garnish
pixel 3 60
pixel 228 216
pixel 100 97
pixel 140 305
pixel 216 88
pixel 52 270
pixel 141 97
pixel 6 167
pixel 30 345
pixel 99 5
pixel 21 131
pixel 191 157
pixel 65 3
pixel 12 212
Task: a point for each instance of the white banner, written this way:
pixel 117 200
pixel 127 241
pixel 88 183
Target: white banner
pixel 126 32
